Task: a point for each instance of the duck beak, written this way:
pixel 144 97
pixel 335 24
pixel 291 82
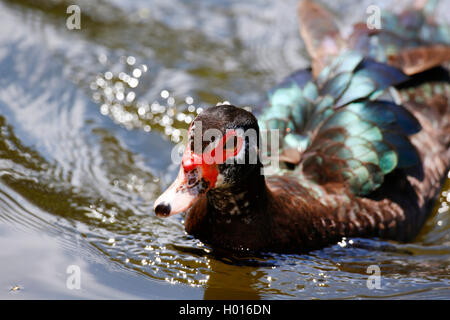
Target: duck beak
pixel 182 194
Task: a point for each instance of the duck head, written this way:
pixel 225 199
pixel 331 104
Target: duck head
pixel 221 152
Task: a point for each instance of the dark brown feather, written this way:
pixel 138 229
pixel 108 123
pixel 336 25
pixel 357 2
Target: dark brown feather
pixel 416 60
pixel 320 34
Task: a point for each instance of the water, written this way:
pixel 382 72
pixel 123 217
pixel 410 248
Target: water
pixel 88 120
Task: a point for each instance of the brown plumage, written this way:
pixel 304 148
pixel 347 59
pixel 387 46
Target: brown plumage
pixel 416 60
pixel 320 34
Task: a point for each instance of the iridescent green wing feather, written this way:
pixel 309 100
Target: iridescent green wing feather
pixel 342 132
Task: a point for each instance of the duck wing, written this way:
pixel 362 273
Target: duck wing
pixel 341 132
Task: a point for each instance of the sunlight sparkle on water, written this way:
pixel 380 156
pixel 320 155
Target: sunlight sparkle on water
pixel 118 95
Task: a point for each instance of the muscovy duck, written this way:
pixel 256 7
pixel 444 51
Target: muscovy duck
pixel 364 144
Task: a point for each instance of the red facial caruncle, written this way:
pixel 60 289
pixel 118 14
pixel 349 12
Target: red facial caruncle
pixel 213 156
pixel 198 173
